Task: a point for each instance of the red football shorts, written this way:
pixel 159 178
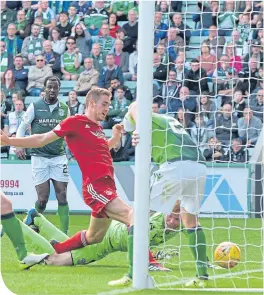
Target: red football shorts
pixel 98 194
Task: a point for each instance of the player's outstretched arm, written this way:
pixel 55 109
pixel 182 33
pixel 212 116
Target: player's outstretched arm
pixel 33 141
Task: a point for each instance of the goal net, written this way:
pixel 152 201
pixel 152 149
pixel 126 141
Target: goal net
pixel 208 73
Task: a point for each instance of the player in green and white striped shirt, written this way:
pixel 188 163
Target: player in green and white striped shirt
pixel 180 178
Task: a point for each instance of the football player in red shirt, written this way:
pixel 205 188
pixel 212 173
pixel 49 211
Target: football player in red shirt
pixel 86 140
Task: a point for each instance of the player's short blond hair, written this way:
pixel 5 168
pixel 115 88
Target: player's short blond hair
pixel 96 93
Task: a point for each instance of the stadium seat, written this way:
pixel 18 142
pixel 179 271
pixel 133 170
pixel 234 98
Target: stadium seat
pixel 131 85
pixel 67 86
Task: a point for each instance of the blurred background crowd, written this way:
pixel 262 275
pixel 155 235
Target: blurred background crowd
pixel 207 65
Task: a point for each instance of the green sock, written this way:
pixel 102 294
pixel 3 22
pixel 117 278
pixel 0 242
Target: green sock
pixel 35 242
pixel 63 212
pixel 197 243
pixel 130 250
pixel 13 230
pixel 48 230
pixel 38 208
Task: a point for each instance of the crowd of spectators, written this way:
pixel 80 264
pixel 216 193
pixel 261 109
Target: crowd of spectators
pixel 217 94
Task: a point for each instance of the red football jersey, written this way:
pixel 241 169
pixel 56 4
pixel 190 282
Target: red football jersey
pixel 88 144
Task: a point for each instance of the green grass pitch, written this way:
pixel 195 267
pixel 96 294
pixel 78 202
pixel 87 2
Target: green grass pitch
pixel 93 279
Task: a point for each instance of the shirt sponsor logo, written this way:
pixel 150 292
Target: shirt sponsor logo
pixel 49 121
pixel 98 134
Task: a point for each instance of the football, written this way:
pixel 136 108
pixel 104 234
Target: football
pixel 227 255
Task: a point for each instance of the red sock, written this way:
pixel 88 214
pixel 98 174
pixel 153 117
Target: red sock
pixel 151 258
pixel 75 242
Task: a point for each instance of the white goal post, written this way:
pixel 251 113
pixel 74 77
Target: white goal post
pixel 141 279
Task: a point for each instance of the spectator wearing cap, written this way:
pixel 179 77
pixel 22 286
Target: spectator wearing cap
pixel 131 30
pixel 256 104
pixel 121 58
pixel 6 58
pixel 120 8
pixel 47 14
pixel 249 128
pixel 255 52
pixel 207 60
pixel 215 42
pixel 87 79
pixel 7 16
pixel 58 44
pixel 74 19
pixel 160 29
pixel 37 75
pixel 105 40
pixel 20 74
pixel 64 26
pixel 237 153
pixel 113 26
pixel 223 78
pixel 174 43
pixel 196 78
pixel 205 17
pixel 226 125
pixel 13 43
pixel 32 46
pixel 71 61
pixel 22 25
pixel 83 39
pixel 182 29
pixel 95 18
pixel 110 71
pixel 98 57
pixel 52 58
pixel 240 45
pixel 114 84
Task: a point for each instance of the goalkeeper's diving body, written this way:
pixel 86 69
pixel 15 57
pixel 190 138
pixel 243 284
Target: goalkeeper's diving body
pixel 162 228
pixel 180 177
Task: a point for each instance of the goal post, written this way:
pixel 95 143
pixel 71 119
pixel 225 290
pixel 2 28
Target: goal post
pixel 141 279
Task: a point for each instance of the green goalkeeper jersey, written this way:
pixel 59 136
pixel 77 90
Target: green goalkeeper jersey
pixel 170 141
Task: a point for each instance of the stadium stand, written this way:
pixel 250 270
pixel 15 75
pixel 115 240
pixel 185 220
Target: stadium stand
pixel 195 30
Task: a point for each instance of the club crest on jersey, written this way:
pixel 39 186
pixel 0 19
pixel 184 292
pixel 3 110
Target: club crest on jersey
pixel 98 134
pixel 108 193
pixel 61 112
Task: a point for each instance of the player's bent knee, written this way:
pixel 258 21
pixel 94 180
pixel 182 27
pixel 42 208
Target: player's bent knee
pixel 42 205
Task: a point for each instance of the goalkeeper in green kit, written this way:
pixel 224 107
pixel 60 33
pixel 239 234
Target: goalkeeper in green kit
pixel 162 228
pixel 180 178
